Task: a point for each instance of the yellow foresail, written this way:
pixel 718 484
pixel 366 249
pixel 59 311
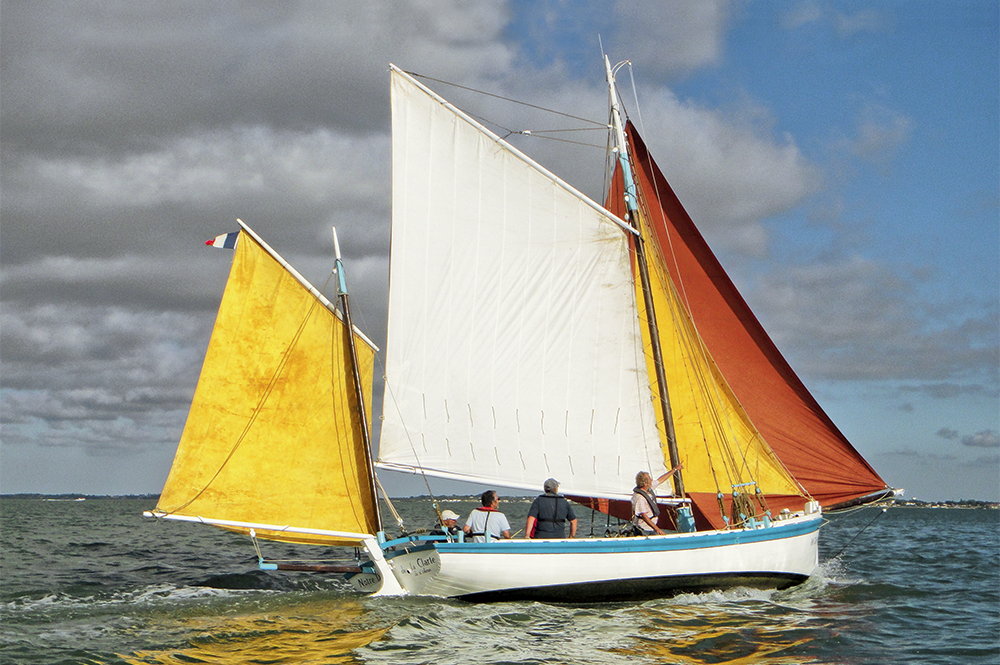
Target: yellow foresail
pixel 719 446
pixel 274 436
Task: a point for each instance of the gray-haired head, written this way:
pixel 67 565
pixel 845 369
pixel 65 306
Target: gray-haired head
pixel 551 485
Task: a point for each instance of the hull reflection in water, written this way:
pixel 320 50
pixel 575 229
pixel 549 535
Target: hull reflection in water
pixel 326 631
pixel 742 632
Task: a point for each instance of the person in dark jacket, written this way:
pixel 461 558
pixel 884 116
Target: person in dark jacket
pixel 549 513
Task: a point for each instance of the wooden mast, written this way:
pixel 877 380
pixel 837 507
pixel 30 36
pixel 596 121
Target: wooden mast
pixel 355 370
pixel 631 204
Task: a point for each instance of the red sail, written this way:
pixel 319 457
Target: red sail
pixel 784 412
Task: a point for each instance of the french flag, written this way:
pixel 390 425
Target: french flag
pixel 226 240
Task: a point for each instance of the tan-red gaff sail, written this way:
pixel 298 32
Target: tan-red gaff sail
pixel 788 417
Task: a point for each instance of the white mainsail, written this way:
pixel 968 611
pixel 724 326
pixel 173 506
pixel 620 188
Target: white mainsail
pixel 514 349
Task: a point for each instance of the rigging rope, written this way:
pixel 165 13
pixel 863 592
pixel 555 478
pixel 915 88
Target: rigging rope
pixel 507 99
pixel 735 461
pixel 378 482
pixel 388 501
pixel 878 515
pixel 385 495
pixel 537 133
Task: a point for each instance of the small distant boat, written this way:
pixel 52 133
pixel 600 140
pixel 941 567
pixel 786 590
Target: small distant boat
pixel 533 333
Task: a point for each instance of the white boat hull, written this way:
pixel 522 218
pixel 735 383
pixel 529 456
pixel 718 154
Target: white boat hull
pixel 607 569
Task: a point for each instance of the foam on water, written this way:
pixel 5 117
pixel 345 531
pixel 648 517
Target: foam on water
pixel 156 594
pixel 93 582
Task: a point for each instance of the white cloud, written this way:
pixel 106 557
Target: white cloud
pixel 854 318
pixel 693 37
pixel 951 479
pixel 728 173
pixel 881 131
pixel 843 24
pixel 134 132
pixel 78 346
pixel 801 14
pixel 318 165
pixel 107 72
pixel 984 439
pixel 865 20
pixel 100 379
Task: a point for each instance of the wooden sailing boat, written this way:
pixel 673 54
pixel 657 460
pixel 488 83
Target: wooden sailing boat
pixel 533 333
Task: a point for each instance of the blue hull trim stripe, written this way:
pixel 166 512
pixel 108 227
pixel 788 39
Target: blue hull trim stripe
pixel 634 544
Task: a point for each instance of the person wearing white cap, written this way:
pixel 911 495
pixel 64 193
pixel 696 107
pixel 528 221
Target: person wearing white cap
pixel 549 513
pixel 449 524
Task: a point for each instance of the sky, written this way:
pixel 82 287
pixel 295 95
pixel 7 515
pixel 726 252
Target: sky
pixel 841 158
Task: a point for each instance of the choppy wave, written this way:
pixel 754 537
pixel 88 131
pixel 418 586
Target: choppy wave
pixel 161 593
pixel 94 583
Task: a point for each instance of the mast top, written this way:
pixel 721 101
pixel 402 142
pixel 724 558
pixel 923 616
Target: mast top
pixel 631 200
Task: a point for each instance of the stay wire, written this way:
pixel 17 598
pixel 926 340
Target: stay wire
pixel 423 474
pixel 878 515
pixel 535 133
pixel 723 421
pixel 378 482
pixel 507 99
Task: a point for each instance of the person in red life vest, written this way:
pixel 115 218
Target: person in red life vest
pixel 644 508
pixel 487 523
pixel 549 513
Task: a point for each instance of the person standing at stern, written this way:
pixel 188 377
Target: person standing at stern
pixel 549 513
pixel 645 511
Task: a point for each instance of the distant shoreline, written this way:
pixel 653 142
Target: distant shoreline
pixel 75 497
pixel 898 503
pixel 913 503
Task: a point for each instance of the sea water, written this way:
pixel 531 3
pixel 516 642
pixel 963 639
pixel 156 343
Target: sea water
pixel 95 582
